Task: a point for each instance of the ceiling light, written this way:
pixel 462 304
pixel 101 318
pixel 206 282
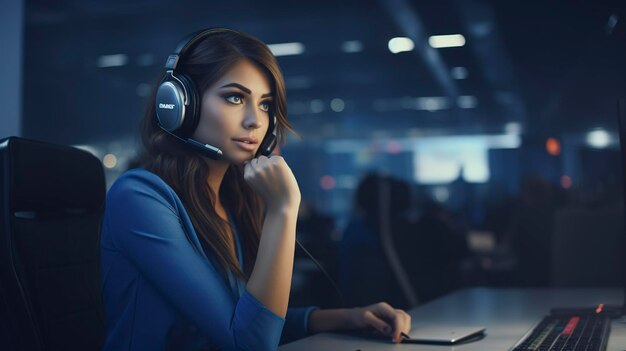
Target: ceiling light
pixel 446 41
pixel 598 138
pixel 467 101
pixel 513 128
pixel 351 46
pixel 458 72
pixel 400 44
pixel 112 60
pixel 337 105
pixel 431 104
pixel 286 49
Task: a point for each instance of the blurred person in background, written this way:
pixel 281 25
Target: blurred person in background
pixel 365 271
pixel 432 249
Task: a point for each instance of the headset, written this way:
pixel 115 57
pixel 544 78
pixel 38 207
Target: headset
pixel 177 102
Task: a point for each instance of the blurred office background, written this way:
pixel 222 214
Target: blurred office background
pixel 446 143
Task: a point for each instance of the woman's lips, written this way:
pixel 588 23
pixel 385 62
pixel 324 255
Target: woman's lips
pixel 245 146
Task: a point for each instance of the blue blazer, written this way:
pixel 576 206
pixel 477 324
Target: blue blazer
pixel 162 292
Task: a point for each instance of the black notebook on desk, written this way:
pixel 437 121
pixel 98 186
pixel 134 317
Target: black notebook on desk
pixel 444 335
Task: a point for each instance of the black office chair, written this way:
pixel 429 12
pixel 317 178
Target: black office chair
pixel 52 203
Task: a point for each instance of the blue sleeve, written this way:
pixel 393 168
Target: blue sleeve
pixel 145 226
pixel 296 323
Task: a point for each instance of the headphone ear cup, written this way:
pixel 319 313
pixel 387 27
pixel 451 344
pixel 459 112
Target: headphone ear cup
pixel 192 113
pixel 169 104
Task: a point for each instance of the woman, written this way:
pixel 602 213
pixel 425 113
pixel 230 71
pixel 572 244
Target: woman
pixel 197 247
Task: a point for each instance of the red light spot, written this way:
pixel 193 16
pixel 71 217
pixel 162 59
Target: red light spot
pixel 393 147
pixel 553 146
pixel 599 309
pixel 571 325
pixel 327 182
pixel 566 182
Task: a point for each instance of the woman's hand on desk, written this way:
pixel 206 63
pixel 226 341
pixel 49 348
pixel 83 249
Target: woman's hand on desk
pixel 383 319
pixel 380 318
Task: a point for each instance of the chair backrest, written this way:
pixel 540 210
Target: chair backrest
pixel 52 204
pixel 588 248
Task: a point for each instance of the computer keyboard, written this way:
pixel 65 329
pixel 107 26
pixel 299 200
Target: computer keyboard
pixel 567 332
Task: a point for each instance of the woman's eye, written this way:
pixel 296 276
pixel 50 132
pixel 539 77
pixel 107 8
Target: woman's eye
pixel 234 99
pixel 265 106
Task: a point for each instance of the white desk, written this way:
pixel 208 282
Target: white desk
pixel 506 313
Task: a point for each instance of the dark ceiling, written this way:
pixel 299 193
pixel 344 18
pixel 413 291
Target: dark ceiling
pixel 553 66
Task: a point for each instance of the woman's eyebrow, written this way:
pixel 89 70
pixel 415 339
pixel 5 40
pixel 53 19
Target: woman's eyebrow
pixel 244 89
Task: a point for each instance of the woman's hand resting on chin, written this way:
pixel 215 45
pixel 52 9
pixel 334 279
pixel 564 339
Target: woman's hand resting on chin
pixel 273 180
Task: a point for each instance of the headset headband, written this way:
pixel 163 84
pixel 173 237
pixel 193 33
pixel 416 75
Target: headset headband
pixel 189 41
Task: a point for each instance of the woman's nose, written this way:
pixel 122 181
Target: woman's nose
pixel 252 119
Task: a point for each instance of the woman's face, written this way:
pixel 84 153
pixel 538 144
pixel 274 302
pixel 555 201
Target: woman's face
pixel 235 112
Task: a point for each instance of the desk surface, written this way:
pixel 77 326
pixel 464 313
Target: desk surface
pixel 506 313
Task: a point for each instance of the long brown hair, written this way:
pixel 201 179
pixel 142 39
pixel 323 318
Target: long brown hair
pixel 187 172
